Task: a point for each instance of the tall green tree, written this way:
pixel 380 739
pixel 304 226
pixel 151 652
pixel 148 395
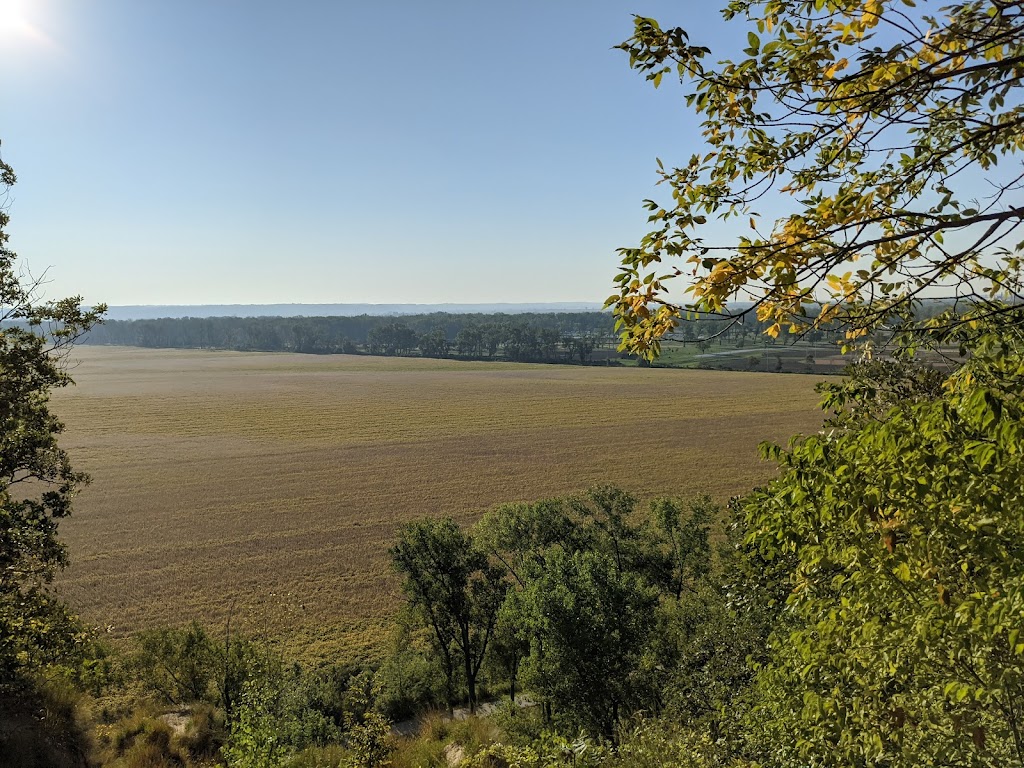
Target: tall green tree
pixel 434 343
pixel 860 157
pixel 37 482
pixel 587 573
pixel 862 151
pixel 470 341
pixel 456 589
pixel 688 538
pixel 594 623
pixel 903 642
pixel 519 535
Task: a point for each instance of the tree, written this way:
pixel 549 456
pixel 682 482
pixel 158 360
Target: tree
pixel 37 482
pixel 521 537
pixel 904 639
pixel 518 535
pixel 470 341
pixel 459 593
pixel 180 665
pixel 392 339
pixel 714 636
pixel 607 517
pixel 878 120
pixel 582 608
pixel 688 540
pixel 898 526
pixel 492 337
pixel 410 678
pixel 595 622
pixel 520 342
pixel 509 646
pixel 188 665
pixel 548 340
pixel 434 343
pixel 257 739
pixel 581 347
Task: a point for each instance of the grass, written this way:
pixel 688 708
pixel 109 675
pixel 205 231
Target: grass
pixel 268 487
pixel 822 359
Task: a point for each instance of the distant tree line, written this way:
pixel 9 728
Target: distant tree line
pixel 521 337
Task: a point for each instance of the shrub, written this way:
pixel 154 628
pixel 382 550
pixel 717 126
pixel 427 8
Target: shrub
pixel 140 741
pixel 410 680
pixel 179 665
pixel 370 743
pixel 256 740
pixel 205 734
pixel 40 726
pixel 520 726
pixel 331 756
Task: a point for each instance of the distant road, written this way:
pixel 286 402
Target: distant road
pixel 752 350
pixel 758 350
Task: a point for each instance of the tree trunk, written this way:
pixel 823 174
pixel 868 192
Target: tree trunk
pixel 470 674
pixel 513 674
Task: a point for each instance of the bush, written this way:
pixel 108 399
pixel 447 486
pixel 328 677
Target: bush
pixel 40 726
pixel 520 726
pixel 179 665
pixel 100 669
pixel 205 734
pixel 256 740
pixel 548 752
pixel 140 741
pixel 410 680
pixel 662 744
pixel 369 742
pixel 187 666
pixel 506 756
pixel 332 756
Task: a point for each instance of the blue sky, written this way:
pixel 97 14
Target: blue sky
pixel 232 151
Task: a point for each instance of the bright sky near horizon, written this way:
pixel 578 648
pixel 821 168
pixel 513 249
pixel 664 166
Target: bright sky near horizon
pixel 245 151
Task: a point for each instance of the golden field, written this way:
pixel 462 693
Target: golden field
pixel 269 486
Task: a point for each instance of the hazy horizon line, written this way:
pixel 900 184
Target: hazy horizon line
pixel 299 309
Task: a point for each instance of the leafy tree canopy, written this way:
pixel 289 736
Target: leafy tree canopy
pixel 37 482
pixel 902 644
pixel 891 129
pixel 449 579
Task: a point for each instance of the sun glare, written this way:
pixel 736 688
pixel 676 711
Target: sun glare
pixel 16 23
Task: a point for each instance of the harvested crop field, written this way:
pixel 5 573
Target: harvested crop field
pixel 269 486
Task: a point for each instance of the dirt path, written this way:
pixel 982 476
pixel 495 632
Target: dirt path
pixel 412 727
